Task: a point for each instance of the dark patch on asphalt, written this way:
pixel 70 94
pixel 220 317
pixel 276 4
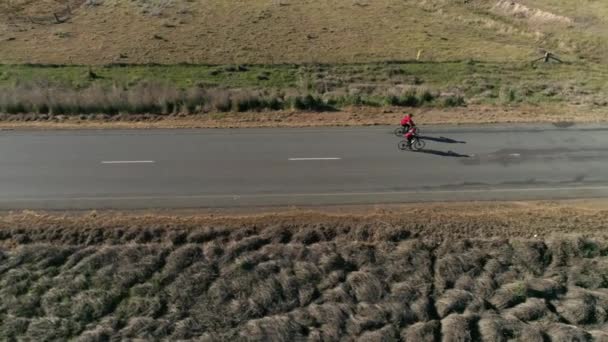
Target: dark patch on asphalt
pixel 577 180
pixel 531 181
pixel 563 124
pixel 458 186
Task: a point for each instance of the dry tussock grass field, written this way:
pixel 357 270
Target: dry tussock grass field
pixel 494 272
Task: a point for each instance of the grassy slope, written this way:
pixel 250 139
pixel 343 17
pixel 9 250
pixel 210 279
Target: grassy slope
pixel 289 31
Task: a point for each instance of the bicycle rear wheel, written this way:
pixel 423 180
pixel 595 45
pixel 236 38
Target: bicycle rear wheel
pixel 399 132
pixel 403 146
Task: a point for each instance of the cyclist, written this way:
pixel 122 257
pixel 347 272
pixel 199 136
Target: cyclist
pixel 410 136
pixel 409 128
pixel 407 123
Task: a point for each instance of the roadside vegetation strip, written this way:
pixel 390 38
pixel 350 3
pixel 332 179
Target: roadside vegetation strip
pixel 193 89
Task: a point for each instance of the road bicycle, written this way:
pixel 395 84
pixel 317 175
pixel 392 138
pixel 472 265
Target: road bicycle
pixel 417 143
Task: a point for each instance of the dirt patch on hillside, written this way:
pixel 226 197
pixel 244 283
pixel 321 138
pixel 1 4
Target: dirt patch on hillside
pixel 466 272
pixel 534 15
pixel 356 116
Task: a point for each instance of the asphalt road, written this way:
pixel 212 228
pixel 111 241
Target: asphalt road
pixel 284 167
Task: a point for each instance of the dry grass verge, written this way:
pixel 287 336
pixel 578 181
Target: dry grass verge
pixel 467 272
pixel 353 116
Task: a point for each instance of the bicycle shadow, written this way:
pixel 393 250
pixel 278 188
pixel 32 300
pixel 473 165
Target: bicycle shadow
pixel 443 140
pixel 443 153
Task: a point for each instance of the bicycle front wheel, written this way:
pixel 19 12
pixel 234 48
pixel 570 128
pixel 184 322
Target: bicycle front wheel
pixel 418 144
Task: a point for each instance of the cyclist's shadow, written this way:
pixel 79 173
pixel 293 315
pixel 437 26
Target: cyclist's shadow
pixel 443 153
pixel 443 140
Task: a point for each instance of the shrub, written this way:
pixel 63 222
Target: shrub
pixel 219 100
pixel 355 100
pixel 453 301
pixel 508 95
pixel 310 103
pixel 577 308
pixel 15 108
pixel 142 327
pixel 366 286
pixel 247 102
pixel 493 327
pixel 136 306
pixel 277 328
pixel 99 333
pixel 532 333
pixel 532 309
pixel 561 333
pixel 407 100
pixel 599 335
pixel 509 295
pixel 456 328
pixel 90 305
pixel 13 327
pixel 50 328
pixel 276 103
pixel 424 332
pixel 253 101
pixel 427 97
pixel 386 333
pixel 453 101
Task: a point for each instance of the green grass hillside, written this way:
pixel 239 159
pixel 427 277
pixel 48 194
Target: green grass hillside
pixel 302 31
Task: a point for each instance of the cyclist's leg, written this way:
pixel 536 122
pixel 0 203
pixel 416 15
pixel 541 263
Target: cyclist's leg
pixel 409 136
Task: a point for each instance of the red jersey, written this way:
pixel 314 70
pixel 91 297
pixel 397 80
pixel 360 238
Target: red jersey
pixel 407 120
